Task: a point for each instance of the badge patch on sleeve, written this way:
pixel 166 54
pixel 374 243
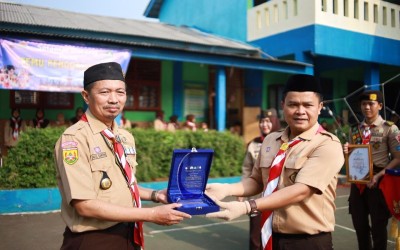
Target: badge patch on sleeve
pixel 70 154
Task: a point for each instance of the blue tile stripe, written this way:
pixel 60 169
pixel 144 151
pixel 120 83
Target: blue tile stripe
pixel 38 200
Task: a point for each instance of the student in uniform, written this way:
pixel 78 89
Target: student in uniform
pixel 366 201
pixel 268 123
pixel 13 128
pixel 96 165
pixel 297 172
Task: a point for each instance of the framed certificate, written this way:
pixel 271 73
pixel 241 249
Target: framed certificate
pixel 359 164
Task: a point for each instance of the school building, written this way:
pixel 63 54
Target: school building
pixel 220 60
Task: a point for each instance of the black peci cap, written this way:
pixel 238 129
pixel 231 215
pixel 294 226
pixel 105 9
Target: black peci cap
pixel 302 83
pixel 371 95
pixel 103 71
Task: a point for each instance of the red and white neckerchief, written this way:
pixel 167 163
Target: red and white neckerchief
pixel 272 186
pixel 39 122
pixel 191 125
pixel 366 137
pixel 15 132
pixel 130 177
pixel 366 133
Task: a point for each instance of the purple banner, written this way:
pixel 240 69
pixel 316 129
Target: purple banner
pixel 27 65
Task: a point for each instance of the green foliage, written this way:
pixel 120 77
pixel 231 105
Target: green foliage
pixel 31 164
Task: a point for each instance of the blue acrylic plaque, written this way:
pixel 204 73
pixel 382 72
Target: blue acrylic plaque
pixel 188 179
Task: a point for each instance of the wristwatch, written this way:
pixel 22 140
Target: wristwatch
pixel 154 197
pixel 253 208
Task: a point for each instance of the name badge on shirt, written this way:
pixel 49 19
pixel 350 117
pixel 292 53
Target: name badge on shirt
pixel 129 150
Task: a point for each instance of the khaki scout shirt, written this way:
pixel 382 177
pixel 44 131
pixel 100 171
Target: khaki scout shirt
pixel 253 149
pixel 82 154
pixel 385 139
pixel 315 162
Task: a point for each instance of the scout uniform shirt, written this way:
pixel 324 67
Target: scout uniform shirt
pixel 252 152
pixel 316 162
pixel 385 139
pixel 82 156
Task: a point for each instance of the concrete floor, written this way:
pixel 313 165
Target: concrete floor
pixel 44 231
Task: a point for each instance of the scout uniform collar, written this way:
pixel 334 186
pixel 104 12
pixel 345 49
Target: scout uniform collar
pixel 306 135
pixel 96 125
pixel 378 121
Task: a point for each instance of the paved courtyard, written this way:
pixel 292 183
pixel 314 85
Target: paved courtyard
pixel 44 231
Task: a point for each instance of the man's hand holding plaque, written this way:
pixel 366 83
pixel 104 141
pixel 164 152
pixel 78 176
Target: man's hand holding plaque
pixel 218 190
pixel 231 210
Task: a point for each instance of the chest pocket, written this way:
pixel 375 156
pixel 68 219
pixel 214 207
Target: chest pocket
pixel 292 166
pixel 98 167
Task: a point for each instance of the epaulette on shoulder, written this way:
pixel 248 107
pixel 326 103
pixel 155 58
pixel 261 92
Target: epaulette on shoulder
pixel 389 123
pixel 72 130
pixel 332 136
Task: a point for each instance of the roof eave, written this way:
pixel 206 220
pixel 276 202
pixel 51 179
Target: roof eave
pixel 153 9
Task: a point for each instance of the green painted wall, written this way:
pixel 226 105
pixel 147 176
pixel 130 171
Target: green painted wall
pixel 271 79
pixel 196 75
pixel 167 94
pixel 5 111
pixel 340 82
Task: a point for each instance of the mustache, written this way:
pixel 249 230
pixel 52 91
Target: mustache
pixel 112 106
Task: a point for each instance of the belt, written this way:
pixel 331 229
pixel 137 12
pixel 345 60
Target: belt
pixel 298 236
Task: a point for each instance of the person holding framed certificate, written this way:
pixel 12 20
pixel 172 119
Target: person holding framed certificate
pixel 366 202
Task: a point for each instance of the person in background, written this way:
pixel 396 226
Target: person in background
pixel 173 123
pixel 13 128
pixel 325 125
pixel 190 123
pixel 125 123
pixel 204 127
pixel 159 123
pixel 60 121
pixel 297 171
pixel 96 167
pixel 366 201
pixel 78 115
pixel 236 128
pixel 40 121
pixel 268 123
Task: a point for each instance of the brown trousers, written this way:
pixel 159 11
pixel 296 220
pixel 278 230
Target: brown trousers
pixel 255 233
pixel 321 241
pixel 116 237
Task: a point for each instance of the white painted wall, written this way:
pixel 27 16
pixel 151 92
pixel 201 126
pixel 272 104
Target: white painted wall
pixel 277 16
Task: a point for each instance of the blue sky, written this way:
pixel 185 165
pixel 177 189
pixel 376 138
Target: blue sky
pixel 131 9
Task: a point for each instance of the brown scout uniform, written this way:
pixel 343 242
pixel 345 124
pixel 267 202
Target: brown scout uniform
pixel 82 155
pixel 384 140
pixel 253 149
pixel 370 204
pixel 8 133
pixel 315 162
